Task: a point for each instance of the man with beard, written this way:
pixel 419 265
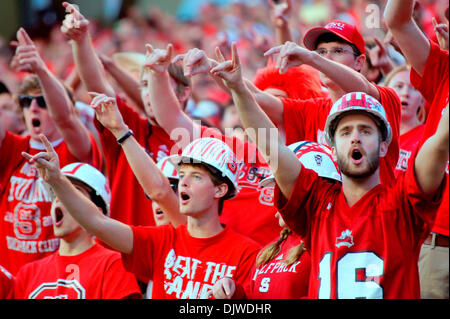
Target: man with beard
pixel 364 236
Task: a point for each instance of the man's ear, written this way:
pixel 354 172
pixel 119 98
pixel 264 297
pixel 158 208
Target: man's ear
pixel 383 149
pixel 359 62
pixel 221 190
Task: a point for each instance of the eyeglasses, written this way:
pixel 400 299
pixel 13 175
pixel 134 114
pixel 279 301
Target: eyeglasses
pixel 26 100
pixel 335 51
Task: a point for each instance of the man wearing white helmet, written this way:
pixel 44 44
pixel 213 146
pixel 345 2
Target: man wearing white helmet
pixel 364 237
pixel 81 268
pixel 183 262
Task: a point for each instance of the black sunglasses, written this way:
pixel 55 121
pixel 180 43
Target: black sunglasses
pixel 25 101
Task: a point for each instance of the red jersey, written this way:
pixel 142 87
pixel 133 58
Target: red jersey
pixel 276 280
pixel 97 273
pixel 369 250
pixel 408 145
pixel 433 85
pixel 251 213
pixel 304 120
pixel 6 283
pixel 128 201
pixel 26 227
pixel 184 267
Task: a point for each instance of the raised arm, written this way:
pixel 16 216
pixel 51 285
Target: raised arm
pixel 279 13
pixel 349 80
pixel 150 177
pixel 114 233
pixel 260 129
pixel 127 82
pixel 60 107
pixel 432 158
pixel 165 105
pixel 89 67
pixel 413 43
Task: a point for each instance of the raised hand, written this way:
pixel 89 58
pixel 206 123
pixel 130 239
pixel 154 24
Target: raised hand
pixel 290 55
pixel 195 62
pixel 108 114
pixel 158 60
pixel 229 71
pixel 75 25
pixel 27 57
pixel 280 12
pixel 47 163
pixel 441 34
pixel 224 288
pixel 379 57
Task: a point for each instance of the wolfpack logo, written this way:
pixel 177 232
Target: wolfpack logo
pixel 346 239
pixel 318 159
pixel 61 289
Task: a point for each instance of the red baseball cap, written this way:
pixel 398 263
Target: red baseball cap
pixel 344 30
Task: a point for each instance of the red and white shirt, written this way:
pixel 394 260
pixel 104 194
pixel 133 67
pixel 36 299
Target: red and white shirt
pixel 433 85
pixel 128 201
pixel 408 146
pixel 276 280
pixel 185 267
pixel 369 250
pixel 97 273
pixel 26 227
pixel 304 120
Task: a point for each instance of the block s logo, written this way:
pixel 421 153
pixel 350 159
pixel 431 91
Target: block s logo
pixel 61 289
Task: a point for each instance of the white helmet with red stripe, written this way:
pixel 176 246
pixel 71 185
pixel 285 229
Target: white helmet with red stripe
pixel 313 156
pixel 96 182
pixel 357 102
pixel 215 153
pixel 167 168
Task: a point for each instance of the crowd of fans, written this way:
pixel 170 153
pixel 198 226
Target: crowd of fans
pixel 152 73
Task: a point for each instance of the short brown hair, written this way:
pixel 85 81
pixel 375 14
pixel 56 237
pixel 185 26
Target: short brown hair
pixel 32 84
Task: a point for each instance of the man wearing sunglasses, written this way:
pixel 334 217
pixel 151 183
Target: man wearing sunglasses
pixel 26 230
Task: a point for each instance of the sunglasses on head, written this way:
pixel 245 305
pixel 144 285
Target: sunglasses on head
pixel 25 101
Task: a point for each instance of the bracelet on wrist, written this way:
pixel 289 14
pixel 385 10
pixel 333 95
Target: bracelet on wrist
pixel 125 137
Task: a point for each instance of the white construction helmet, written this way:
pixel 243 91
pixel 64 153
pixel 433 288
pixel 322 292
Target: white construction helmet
pixel 313 156
pixel 167 168
pixel 215 153
pixel 91 177
pixel 357 102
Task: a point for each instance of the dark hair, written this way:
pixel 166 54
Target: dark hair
pixel 3 88
pixel 96 199
pixel 331 37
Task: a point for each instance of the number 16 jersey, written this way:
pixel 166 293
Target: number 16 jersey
pixel 369 250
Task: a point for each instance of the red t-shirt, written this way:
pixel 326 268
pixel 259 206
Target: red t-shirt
pixel 408 145
pixel 6 283
pixel 128 201
pixel 251 212
pixel 433 85
pixel 97 273
pixel 276 280
pixel 26 227
pixel 369 250
pixel 184 267
pixel 304 120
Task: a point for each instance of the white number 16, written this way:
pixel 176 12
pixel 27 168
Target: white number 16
pixel 348 287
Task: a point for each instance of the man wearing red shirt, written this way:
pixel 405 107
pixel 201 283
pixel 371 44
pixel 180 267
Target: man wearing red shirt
pixel 364 237
pixel 340 57
pixel 147 132
pixel 81 268
pixel 429 75
pixel 26 232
